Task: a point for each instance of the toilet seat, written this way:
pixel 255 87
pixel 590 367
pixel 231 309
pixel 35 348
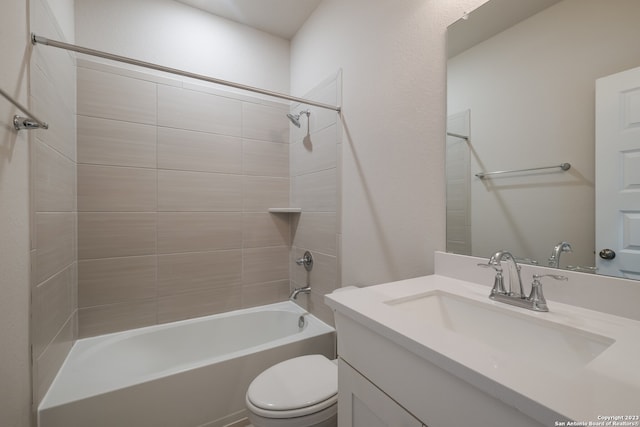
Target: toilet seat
pixel 293 413
pixel 294 388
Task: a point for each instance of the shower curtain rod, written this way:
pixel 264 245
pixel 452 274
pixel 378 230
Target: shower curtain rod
pixel 35 39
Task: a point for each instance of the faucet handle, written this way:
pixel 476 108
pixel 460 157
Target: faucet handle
pixel 498 281
pixel 537 277
pixel 306 261
pixel 536 296
pixel 496 267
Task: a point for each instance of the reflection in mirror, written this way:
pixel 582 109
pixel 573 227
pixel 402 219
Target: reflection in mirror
pixel 522 95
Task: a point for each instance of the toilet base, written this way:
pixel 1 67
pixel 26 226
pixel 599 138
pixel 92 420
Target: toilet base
pixel 328 417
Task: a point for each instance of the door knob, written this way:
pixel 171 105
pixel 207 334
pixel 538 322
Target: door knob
pixel 607 254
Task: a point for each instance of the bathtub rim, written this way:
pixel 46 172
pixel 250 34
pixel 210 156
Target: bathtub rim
pixel 315 327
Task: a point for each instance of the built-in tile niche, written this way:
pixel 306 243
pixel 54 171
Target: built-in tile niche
pixel 174 183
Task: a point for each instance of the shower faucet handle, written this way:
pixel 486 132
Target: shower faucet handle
pixel 306 260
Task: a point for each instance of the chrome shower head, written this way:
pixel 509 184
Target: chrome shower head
pixel 295 118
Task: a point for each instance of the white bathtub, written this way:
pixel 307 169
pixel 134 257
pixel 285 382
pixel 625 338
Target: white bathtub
pixel 183 374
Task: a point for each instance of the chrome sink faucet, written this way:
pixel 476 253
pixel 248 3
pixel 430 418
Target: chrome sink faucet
pixel 554 259
pixel 496 263
pixel 535 301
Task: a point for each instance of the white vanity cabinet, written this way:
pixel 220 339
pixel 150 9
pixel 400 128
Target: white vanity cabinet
pixel 362 404
pixel 436 351
pixel 385 383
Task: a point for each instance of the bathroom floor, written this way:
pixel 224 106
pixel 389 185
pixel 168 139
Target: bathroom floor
pixel 241 423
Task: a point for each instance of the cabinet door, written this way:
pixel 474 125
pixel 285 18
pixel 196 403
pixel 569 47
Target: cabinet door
pixel 362 404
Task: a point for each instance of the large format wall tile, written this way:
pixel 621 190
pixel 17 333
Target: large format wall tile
pixel 111 96
pixel 52 106
pixel 316 305
pixel 199 303
pixel 188 109
pixel 180 191
pixel 198 151
pixel 55 243
pixel 52 305
pixel 104 319
pixel 55 183
pixel 265 264
pixel 265 229
pixel 112 280
pixel 315 177
pixel 316 231
pixel 173 195
pixel 178 273
pixel 265 293
pixel 58 67
pixel 116 189
pixel 315 153
pixel 116 143
pixel 53 207
pixel 262 193
pixel 104 235
pixel 198 231
pixel 265 158
pixel 265 123
pixel 315 192
pixel 46 366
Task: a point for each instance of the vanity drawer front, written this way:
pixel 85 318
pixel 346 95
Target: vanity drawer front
pixel 362 404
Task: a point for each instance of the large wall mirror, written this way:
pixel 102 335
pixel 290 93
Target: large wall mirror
pixel 521 95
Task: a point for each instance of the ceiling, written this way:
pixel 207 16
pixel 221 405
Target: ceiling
pixel 282 18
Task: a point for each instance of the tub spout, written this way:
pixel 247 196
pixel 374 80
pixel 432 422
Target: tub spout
pixel 296 291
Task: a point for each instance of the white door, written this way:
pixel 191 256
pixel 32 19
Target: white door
pixel 618 174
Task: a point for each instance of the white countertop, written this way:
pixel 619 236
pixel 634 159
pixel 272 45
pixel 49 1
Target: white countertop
pixel 606 386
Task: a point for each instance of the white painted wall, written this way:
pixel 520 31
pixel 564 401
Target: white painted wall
pixel 15 392
pixel 393 60
pixel 550 121
pixel 64 14
pixel 176 35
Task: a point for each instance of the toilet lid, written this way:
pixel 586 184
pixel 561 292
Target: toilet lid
pixel 295 383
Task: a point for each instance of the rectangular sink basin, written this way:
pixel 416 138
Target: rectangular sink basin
pixel 525 337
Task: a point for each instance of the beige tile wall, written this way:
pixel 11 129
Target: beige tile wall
pixel 158 213
pixel 174 183
pixel 53 204
pixel 315 154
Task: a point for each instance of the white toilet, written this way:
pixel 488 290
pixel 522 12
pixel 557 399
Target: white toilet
pixel 299 392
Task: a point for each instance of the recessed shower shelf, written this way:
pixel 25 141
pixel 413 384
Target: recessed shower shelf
pixel 285 210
